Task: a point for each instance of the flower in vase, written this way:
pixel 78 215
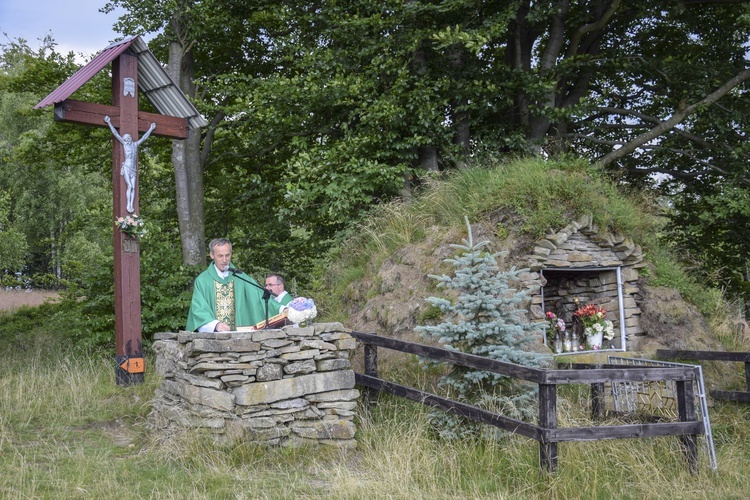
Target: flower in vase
pixel 594 323
pixel 555 325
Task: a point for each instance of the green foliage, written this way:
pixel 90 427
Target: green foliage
pixel 669 272
pixel 52 179
pixel 27 330
pixel 712 232
pixel 487 319
pixel 13 250
pixel 166 286
pixel 166 289
pixel 431 314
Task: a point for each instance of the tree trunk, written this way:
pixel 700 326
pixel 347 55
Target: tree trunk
pixel 188 167
pixel 461 122
pixel 426 154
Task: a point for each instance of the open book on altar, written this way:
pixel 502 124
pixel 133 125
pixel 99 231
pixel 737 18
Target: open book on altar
pixel 273 322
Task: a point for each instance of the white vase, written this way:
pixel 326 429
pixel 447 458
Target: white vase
pixel 595 340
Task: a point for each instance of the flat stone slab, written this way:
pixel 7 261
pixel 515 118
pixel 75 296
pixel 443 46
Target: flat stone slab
pixel 215 346
pixel 277 390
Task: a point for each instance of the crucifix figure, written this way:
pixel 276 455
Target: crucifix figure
pixel 129 167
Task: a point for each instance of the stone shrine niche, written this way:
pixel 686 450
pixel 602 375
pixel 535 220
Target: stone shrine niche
pixel 595 267
pixel 589 286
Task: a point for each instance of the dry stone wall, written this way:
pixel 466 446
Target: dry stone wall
pixel 290 386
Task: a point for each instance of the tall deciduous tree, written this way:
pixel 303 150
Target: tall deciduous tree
pixel 51 182
pixel 320 109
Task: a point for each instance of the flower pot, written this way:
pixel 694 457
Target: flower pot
pixel 595 340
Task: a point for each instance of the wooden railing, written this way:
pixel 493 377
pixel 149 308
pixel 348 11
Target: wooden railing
pixel 741 357
pixel 546 432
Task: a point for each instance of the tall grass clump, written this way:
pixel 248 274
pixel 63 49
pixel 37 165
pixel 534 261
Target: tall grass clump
pixel 389 226
pixel 669 272
pixel 546 194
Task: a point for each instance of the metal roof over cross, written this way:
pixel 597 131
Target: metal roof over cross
pixel 134 69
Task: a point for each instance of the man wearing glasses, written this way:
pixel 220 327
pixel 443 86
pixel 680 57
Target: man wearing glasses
pixel 275 284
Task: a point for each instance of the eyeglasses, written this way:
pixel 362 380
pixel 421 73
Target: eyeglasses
pixel 273 284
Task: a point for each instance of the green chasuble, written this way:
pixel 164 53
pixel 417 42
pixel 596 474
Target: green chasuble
pixel 249 306
pixel 286 299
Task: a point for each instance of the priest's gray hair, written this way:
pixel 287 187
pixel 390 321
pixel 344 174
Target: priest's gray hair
pixel 219 242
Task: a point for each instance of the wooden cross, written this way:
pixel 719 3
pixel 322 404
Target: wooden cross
pixel 126 118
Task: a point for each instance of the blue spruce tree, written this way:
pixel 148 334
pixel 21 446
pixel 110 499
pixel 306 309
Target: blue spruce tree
pixel 487 319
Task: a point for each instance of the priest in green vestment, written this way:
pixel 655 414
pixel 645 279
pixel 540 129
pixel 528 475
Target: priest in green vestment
pixel 222 301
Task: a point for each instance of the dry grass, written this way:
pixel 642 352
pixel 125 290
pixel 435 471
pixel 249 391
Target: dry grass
pixel 66 431
pixel 10 300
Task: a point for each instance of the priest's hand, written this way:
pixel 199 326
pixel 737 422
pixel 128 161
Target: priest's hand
pixel 221 327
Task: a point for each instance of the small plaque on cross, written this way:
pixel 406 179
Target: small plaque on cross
pixel 129 245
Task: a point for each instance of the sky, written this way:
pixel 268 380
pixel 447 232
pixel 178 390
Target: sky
pixel 76 25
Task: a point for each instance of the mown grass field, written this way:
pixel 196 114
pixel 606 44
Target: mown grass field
pixel 10 300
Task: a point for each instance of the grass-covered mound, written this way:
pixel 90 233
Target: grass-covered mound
pixel 379 275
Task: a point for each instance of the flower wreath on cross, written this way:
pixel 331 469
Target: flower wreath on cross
pixel 132 225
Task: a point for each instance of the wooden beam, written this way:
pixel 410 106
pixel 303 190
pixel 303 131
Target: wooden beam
pixel 453 407
pixel 548 422
pixel 371 369
pixel 89 113
pixel 619 374
pixel 626 431
pixel 740 396
pixel 686 413
pixel 127 260
pixel 458 358
pixel 703 355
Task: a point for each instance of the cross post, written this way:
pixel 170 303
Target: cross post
pixel 125 117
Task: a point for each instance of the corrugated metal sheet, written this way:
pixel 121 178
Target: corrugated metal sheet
pixel 153 81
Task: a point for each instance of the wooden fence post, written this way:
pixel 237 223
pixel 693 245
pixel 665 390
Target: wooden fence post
pixel 371 369
pixel 597 399
pixel 547 420
pixel 686 411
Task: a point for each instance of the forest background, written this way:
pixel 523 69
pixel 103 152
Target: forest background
pixel 319 111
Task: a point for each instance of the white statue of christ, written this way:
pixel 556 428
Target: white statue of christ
pixel 128 168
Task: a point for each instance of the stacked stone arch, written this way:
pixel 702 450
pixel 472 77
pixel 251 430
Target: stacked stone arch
pixel 583 262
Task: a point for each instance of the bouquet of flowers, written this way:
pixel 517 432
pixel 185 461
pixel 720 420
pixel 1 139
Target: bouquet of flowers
pixel 132 225
pixel 606 328
pixel 590 315
pixel 592 318
pixel 556 326
pixel 301 310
